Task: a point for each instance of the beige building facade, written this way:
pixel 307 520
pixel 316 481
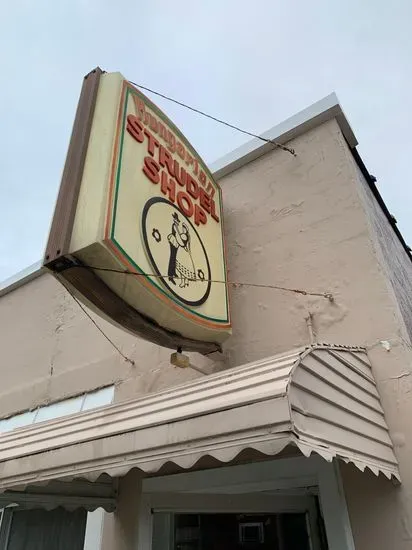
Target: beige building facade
pixel 322 286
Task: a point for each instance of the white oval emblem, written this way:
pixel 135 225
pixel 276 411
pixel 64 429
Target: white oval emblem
pixel 176 251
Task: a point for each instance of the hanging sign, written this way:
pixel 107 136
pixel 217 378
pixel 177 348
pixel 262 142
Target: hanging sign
pixel 137 231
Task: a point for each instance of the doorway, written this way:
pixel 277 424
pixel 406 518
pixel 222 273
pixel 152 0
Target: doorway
pixel 283 490
pixel 240 532
pixel 241 522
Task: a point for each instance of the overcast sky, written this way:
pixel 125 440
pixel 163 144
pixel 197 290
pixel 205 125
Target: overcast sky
pixel 251 63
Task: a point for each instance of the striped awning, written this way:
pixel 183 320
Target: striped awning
pixel 322 399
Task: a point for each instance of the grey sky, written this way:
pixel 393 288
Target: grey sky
pixel 251 63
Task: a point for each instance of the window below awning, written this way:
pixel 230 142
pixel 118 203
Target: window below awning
pixel 322 399
pixel 80 403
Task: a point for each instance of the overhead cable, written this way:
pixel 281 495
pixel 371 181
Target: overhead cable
pixel 236 284
pixel 266 140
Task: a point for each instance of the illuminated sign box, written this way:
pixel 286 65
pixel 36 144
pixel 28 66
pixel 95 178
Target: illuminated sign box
pixel 137 232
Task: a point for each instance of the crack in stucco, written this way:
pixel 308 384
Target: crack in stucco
pixel 402 375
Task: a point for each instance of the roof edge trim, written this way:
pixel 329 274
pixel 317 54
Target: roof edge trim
pixel 21 278
pixel 296 125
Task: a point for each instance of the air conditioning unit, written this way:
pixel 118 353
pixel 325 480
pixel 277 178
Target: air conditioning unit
pixel 251 532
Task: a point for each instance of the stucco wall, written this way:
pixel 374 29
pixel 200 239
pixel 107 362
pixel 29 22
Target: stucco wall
pixel 300 223
pixel 50 350
pixel 297 222
pixel 379 512
pixel 286 224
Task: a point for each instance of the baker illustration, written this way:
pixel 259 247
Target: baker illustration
pixel 181 265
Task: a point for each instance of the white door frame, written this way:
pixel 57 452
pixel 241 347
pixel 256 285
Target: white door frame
pixel 197 491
